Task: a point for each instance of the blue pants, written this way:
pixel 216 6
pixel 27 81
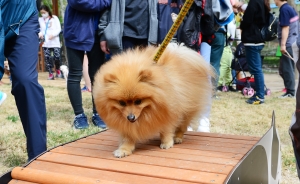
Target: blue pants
pixel 255 68
pixel 217 48
pixel 286 71
pixel 22 54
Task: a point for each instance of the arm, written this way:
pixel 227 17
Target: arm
pixel 284 36
pixel 57 26
pixel 103 22
pixel 89 5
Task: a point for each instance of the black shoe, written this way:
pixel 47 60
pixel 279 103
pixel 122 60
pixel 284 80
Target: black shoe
pixel 287 95
pixel 232 89
pixel 255 100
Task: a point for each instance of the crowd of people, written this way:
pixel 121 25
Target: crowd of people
pixel 95 31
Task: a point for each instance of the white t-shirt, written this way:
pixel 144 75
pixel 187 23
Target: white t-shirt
pixel 53 29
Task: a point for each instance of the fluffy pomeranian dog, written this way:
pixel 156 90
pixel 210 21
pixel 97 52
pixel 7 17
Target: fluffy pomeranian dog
pixel 64 69
pixel 140 98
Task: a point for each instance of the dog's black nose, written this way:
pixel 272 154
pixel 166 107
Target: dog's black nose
pixel 131 117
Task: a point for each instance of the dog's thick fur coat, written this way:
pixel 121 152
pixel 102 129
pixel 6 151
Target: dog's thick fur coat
pixel 139 98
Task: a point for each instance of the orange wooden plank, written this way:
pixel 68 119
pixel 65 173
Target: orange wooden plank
pixel 102 174
pixel 242 150
pixel 213 165
pixel 46 177
pixel 13 181
pixel 228 143
pixel 134 168
pixel 201 134
pixel 175 151
pixel 186 137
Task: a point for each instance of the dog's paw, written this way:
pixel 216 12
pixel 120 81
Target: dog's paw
pixel 119 153
pixel 166 145
pixel 177 140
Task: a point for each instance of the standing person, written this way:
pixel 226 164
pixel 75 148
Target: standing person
pixel 80 33
pixel 19 38
pixel 50 30
pixel 129 24
pixel 287 35
pixel 255 16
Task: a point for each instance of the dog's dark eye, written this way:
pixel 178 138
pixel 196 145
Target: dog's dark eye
pixel 137 102
pixel 122 103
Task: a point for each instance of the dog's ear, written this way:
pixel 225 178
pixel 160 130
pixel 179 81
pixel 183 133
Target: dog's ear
pixel 110 78
pixel 145 75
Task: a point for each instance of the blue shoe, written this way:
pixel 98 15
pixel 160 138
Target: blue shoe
pixel 2 97
pixel 255 100
pixel 80 121
pixel 97 121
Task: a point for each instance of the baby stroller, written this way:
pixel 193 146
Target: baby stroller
pixel 247 84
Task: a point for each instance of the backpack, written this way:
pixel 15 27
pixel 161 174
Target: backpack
pixel 199 19
pixel 269 30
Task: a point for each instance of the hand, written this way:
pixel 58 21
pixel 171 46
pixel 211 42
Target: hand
pixel 283 49
pixel 50 37
pixel 162 1
pixel 41 36
pixel 104 48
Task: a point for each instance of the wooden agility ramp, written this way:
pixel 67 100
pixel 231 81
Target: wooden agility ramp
pixel 201 158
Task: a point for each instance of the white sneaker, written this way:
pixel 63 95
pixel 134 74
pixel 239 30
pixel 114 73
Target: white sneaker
pixel 204 125
pixel 2 97
pixel 190 129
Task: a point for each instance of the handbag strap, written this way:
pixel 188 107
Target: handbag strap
pixel 47 26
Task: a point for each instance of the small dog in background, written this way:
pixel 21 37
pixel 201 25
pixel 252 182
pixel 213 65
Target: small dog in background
pixel 65 71
pixel 7 70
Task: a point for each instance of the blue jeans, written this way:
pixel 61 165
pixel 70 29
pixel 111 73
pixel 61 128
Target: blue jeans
pixel 217 48
pixel 255 68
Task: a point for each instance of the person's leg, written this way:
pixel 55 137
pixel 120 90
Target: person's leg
pixel 48 62
pixel 288 68
pixel 57 61
pixel 95 59
pixel 85 72
pixel 204 123
pixel 255 68
pixel 295 56
pixel 75 59
pixel 217 47
pixel 22 54
pixel 224 66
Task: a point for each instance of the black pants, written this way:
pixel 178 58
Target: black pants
pixel 75 61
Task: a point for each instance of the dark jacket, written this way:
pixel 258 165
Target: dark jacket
pixel 80 24
pixel 253 20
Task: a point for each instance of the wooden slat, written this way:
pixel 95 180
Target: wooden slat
pixel 187 137
pixel 46 177
pixel 14 181
pixel 186 146
pixel 134 168
pixel 102 174
pixel 213 165
pixel 202 134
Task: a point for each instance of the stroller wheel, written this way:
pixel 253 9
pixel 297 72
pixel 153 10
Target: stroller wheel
pixel 268 92
pixel 248 92
pixel 225 89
